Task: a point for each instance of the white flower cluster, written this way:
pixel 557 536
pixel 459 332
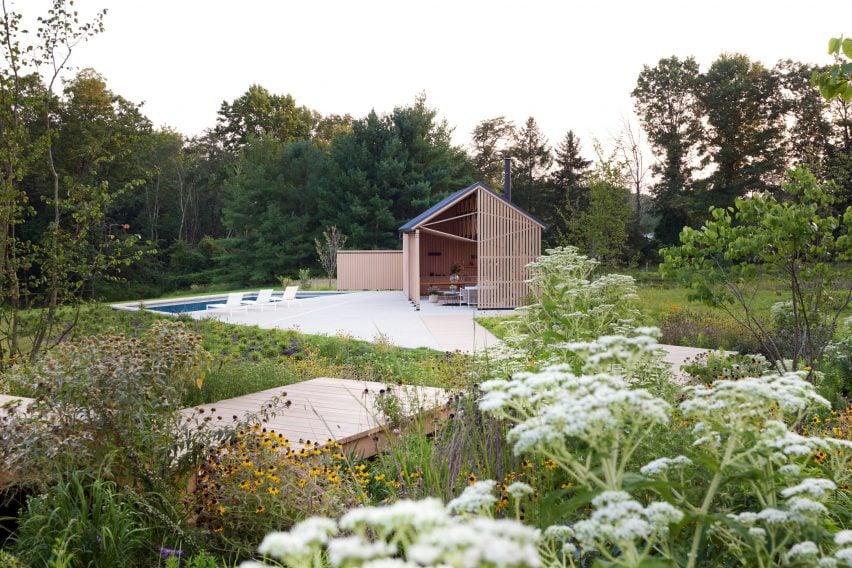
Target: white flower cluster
pixel 727 401
pixel 617 351
pixel 787 445
pixel 301 540
pixel 815 487
pixel 401 515
pixel 358 549
pixel 843 538
pixel 620 519
pixel 407 534
pixel 479 542
pixel 662 465
pixel 803 550
pixel 519 489
pixel 475 498
pixel 556 404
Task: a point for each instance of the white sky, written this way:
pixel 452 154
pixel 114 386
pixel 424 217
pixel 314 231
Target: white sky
pixel 568 64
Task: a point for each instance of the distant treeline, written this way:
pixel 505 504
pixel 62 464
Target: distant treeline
pixel 242 203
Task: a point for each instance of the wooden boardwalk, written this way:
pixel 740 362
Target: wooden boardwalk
pixel 347 411
pixel 4 399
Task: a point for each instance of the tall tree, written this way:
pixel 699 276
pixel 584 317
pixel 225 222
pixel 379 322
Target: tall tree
pixel 272 209
pixel 602 227
pixel 532 159
pixel 666 102
pixel 390 168
pixel 809 128
pixel 569 187
pixel 258 113
pixel 744 140
pixel 40 274
pixel 490 142
pixel 569 175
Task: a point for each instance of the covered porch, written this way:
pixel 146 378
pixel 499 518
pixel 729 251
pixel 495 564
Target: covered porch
pixel 472 247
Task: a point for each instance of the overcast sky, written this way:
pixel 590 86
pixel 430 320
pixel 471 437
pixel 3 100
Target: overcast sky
pixel 571 65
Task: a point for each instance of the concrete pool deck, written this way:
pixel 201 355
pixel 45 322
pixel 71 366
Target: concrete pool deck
pixel 371 315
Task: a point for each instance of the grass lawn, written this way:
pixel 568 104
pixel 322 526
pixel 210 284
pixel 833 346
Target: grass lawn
pixel 247 359
pixel 666 304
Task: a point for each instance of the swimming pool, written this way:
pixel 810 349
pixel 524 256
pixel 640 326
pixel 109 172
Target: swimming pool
pixel 200 305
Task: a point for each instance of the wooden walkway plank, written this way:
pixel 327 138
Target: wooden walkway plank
pixel 344 410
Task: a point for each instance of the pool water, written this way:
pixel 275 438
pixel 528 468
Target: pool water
pixel 200 306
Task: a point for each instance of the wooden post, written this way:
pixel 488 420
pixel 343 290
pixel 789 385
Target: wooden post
pixel 416 287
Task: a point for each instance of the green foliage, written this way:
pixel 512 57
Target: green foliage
pixel 333 241
pixel 259 113
pixel 55 233
pixel 602 227
pixel 305 278
pixel 667 105
pixel 111 404
pixel 9 561
pixel 701 327
pixel 388 169
pixel 490 141
pixel 717 366
pixel 201 560
pixel 795 240
pixel 571 305
pixel 836 82
pixel 532 160
pixel 91 520
pixel 743 140
pixel 836 379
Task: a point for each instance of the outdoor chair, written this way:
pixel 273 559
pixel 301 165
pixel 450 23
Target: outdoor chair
pixel 232 304
pixel 289 296
pixel 469 295
pixel 264 299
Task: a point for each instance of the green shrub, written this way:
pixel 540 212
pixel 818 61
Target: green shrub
pixel 836 379
pixel 793 340
pixel 716 366
pixel 697 327
pixel 570 304
pixel 9 561
pixel 88 522
pixel 112 403
pixel 305 278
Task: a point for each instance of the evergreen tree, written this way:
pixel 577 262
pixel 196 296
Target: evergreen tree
pixel 532 160
pixel 570 191
pixel 571 170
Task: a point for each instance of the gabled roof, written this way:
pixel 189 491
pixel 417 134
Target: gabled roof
pixel 453 198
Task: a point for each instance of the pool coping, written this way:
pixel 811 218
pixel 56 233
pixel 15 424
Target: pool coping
pixel 145 304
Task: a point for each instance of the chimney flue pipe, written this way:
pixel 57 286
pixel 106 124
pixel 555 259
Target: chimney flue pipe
pixel 507 178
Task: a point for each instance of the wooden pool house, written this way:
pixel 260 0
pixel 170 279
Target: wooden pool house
pixel 473 239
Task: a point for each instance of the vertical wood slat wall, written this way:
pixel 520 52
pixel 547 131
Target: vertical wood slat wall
pixel 370 270
pixel 508 241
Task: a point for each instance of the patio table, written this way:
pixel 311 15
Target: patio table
pixel 450 298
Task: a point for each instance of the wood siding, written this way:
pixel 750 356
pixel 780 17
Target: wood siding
pixel 507 242
pixel 370 270
pixel 490 238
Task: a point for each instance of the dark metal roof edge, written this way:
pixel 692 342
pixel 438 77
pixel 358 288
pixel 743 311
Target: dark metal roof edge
pixel 458 195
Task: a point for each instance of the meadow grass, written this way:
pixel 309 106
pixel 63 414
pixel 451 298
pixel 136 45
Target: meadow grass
pixel 247 359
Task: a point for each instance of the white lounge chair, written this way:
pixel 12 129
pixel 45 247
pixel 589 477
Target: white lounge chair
pixel 289 296
pixel 232 304
pixel 264 299
pixel 469 295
